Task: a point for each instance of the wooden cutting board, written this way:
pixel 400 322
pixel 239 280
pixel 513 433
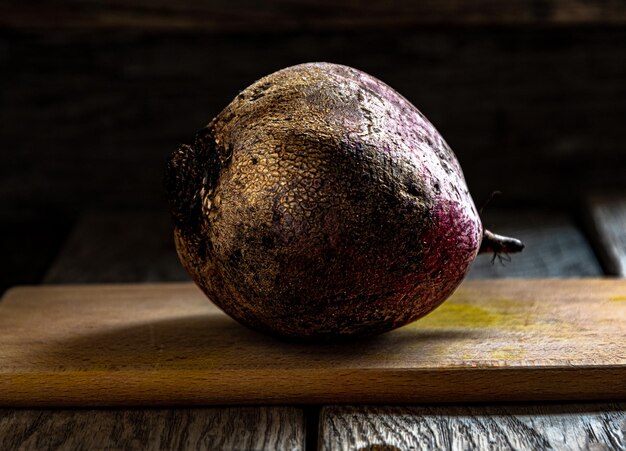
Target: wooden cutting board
pixel 166 344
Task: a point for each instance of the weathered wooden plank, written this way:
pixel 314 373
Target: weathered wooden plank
pixel 606 219
pixel 571 427
pixel 119 246
pixel 262 428
pixel 555 247
pixel 246 15
pixel 156 344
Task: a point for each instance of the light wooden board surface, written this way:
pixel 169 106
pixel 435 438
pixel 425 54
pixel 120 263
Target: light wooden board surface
pixel 555 247
pixel 257 428
pixel 529 428
pixel 606 217
pixel 166 344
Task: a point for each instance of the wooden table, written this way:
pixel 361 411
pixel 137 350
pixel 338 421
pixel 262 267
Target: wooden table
pixel 132 246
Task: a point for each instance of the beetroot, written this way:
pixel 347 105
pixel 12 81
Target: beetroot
pixel 320 204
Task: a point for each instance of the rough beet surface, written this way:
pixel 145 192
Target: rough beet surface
pixel 322 204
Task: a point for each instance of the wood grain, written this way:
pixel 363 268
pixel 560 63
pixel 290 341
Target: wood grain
pixel 166 344
pixel 118 246
pixel 606 218
pixel 290 15
pixel 555 247
pixel 571 427
pixel 252 428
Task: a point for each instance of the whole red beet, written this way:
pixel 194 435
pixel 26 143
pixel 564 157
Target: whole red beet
pixel 321 204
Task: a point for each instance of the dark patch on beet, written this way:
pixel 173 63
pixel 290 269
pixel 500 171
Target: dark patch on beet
pixel 268 242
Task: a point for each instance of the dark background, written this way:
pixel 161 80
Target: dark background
pixel 531 95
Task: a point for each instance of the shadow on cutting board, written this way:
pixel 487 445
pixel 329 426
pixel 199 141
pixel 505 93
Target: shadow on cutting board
pixel 214 341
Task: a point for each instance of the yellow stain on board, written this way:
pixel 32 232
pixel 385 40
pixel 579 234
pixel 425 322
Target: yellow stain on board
pixel 509 353
pixel 466 316
pixel 505 303
pixel 502 314
pixel 460 312
pixel 499 304
pixel 617 298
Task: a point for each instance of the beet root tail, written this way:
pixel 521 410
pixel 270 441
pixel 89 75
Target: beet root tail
pixel 498 244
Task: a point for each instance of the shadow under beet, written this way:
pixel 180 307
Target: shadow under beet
pixel 215 342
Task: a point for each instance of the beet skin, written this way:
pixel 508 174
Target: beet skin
pixel 322 204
